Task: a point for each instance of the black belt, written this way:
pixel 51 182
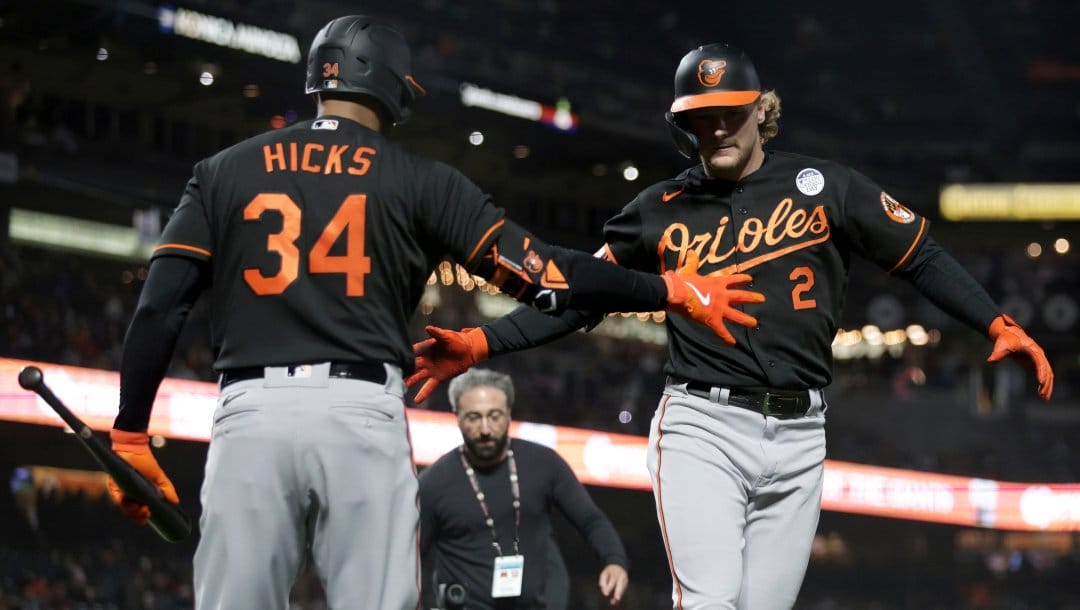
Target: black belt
pixel 363 371
pixel 781 404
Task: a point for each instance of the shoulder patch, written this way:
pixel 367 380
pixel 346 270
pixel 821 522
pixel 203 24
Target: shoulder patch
pixel 810 181
pixel 896 210
pixel 325 124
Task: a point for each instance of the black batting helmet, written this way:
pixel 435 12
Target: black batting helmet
pixel 357 54
pixel 710 75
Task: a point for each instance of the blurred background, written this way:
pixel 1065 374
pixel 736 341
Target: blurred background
pixel 968 112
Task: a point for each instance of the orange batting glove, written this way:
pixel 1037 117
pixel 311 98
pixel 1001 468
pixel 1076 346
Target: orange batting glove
pixel 134 448
pixel 1011 340
pixel 445 355
pixel 708 298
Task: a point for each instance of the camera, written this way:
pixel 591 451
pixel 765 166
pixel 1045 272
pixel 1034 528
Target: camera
pixel 452 596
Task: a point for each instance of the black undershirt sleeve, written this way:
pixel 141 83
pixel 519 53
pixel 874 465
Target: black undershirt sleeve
pixel 172 286
pixel 526 327
pixel 600 286
pixel 942 279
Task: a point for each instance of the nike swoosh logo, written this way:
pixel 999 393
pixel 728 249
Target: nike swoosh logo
pixel 704 298
pixel 669 196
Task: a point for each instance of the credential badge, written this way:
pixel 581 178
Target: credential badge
pixel 810 181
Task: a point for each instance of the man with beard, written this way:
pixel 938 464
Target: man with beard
pixel 486 508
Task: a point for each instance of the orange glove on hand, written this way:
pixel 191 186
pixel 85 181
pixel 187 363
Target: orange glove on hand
pixel 1010 339
pixel 445 355
pixel 134 448
pixel 708 299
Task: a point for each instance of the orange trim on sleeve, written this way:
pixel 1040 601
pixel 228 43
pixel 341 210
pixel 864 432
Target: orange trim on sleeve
pixel 482 240
pixel 903 259
pixel 413 82
pixel 553 277
pixel 183 247
pixel 660 507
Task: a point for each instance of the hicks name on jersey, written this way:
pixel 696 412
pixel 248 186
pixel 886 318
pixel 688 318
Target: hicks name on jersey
pixel 316 158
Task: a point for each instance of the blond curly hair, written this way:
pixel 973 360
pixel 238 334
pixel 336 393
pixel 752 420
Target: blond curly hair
pixel 768 128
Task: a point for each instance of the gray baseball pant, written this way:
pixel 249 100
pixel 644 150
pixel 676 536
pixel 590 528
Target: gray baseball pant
pixel 738 496
pixel 315 464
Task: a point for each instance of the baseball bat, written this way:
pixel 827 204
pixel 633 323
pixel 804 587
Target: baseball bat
pixel 167 519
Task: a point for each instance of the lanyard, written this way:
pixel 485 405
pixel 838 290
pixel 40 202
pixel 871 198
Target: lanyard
pixel 483 505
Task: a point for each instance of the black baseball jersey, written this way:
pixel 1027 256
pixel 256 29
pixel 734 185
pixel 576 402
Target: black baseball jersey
pixel 320 238
pixel 793 226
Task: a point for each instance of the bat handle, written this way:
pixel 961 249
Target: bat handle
pixel 173 524
pixel 167 519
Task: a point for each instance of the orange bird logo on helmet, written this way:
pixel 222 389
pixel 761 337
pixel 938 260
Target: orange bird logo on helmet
pixel 710 71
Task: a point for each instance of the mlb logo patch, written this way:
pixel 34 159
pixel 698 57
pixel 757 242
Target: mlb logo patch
pixel 325 124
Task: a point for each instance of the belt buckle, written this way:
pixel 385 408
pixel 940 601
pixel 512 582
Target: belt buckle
pixel 765 404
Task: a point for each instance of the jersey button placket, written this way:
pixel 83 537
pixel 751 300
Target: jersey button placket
pixel 743 211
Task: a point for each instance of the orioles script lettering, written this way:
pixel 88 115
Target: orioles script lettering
pixel 786 231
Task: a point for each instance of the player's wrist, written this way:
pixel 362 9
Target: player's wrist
pixel 133 442
pixel 1001 324
pixel 674 286
pixel 478 343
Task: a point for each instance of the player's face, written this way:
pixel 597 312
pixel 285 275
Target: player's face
pixel 484 420
pixel 728 137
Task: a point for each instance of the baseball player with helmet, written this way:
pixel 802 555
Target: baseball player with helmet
pixel 737 444
pixel 315 243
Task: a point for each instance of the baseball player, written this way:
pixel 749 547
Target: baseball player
pixel 315 243
pixel 737 444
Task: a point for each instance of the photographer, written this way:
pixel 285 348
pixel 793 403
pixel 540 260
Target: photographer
pixel 486 507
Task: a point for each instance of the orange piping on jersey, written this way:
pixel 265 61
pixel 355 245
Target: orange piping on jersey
pixel 764 258
pixel 922 227
pixel 482 240
pixel 660 506
pixel 525 244
pixel 412 80
pixel 553 278
pixel 183 247
pixel 412 459
pixel 606 254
